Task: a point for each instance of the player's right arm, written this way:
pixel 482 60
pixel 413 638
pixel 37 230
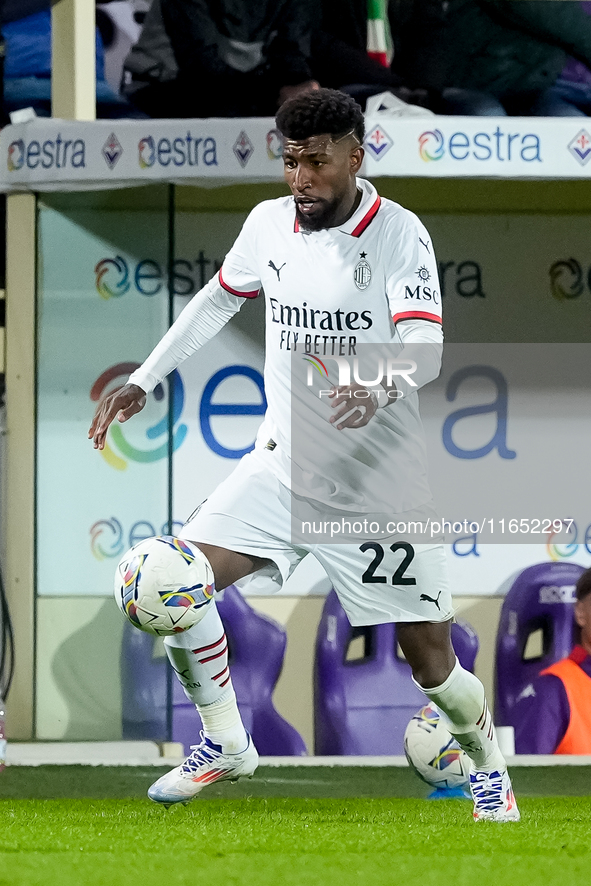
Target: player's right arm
pixel 207 312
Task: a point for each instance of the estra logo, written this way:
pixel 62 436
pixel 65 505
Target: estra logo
pixel 115 276
pixel 57 153
pixel 496 145
pixel 186 150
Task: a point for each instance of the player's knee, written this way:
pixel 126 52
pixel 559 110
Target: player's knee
pixel 433 666
pixel 229 566
pixel 431 674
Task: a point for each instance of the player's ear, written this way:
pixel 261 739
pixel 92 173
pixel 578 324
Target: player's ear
pixel 580 614
pixel 356 159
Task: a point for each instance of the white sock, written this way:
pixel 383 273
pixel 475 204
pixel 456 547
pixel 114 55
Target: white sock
pixel 461 698
pixel 199 657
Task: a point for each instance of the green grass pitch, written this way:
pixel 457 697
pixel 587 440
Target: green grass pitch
pixel 84 826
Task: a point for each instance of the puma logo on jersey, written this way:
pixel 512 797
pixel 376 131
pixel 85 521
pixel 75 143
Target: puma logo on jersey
pixel 277 270
pixel 425 598
pixel 426 245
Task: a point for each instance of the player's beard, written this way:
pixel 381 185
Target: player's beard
pixel 325 213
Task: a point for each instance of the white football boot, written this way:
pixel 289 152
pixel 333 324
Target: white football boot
pixel 205 765
pixel 493 796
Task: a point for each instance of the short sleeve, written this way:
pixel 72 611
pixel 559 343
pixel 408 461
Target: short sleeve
pixel 412 280
pixel 239 274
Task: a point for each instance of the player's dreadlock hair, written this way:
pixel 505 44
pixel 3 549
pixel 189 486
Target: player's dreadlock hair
pixel 319 112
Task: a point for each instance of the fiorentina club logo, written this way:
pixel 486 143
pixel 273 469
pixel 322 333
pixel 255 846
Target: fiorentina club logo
pixel 378 142
pixel 112 150
pixel 580 147
pixel 243 148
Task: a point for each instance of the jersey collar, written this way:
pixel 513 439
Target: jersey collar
pixel 363 215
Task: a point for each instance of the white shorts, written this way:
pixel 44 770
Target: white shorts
pixel 250 513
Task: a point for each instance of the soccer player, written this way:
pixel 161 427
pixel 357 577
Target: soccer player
pixel 340 268
pixel 553 714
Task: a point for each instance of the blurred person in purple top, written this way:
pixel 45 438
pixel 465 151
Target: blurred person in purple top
pixel 554 712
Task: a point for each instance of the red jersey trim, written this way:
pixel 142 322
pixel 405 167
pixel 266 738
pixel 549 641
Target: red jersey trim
pixel 367 219
pixel 358 229
pixel 417 315
pixel 252 294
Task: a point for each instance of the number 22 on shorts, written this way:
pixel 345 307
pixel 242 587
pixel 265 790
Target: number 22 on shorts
pixel 399 577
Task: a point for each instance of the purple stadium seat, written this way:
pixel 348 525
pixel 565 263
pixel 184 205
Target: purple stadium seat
pixel 144 686
pixel 363 706
pixel 540 599
pixel 256 649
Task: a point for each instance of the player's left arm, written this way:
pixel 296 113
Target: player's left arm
pixel 414 298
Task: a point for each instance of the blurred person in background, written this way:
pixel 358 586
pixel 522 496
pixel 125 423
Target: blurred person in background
pixel 555 710
pixel 26 29
pixel 514 51
pixel 220 58
pixel 364 47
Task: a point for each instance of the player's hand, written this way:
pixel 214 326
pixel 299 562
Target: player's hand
pixel 121 405
pixel 354 406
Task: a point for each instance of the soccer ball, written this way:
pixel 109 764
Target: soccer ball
pixel 433 752
pixel 164 585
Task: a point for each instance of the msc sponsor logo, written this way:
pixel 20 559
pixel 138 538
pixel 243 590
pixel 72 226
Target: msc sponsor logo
pixel 497 145
pixel 49 154
pixel 115 276
pixel 181 151
pixel 569 279
pixel 580 147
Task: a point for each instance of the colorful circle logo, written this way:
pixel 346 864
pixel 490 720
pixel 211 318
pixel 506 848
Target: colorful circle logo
pixel 16 155
pixel 431 145
pixel 562 551
pixel 106 539
pixel 274 141
pixel 112 277
pixel 118 451
pixel 566 279
pixel 147 152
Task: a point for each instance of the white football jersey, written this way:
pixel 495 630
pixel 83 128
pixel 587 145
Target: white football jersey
pixel 327 293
